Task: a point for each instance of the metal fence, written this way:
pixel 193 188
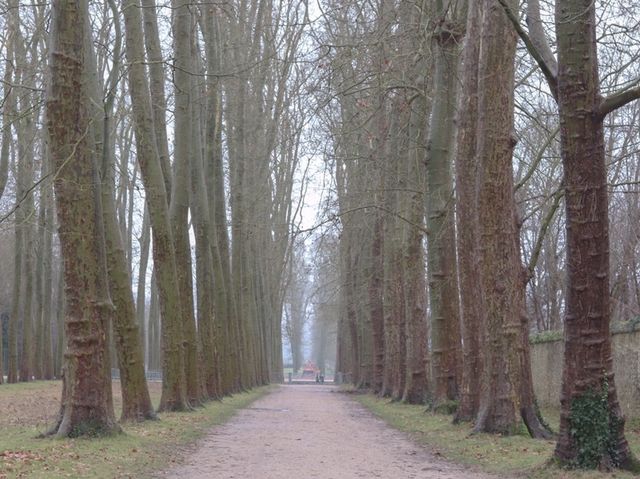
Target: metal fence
pixel 151 374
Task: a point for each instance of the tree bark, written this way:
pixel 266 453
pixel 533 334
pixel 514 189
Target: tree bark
pixel 588 362
pixel 467 219
pixel 157 87
pixel 506 394
pixel 441 258
pixel 208 344
pixel 25 173
pixel 86 406
pixel 224 298
pixel 173 379
pixel 47 278
pixel 136 402
pixel 179 206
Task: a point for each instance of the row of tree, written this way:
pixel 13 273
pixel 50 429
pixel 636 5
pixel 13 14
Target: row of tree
pixel 182 152
pixel 430 106
pixel 187 157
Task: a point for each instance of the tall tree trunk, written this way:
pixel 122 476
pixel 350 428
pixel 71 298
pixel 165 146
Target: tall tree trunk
pixel 141 293
pixel 224 298
pixel 467 218
pixel 39 320
pixel 157 87
pixel 12 333
pixel 588 363
pixel 25 168
pixel 47 278
pixel 441 259
pixel 9 117
pixel 205 246
pixel 395 356
pixel 86 405
pixel 179 207
pixel 417 383
pixel 136 402
pixel 173 379
pixel 506 394
pixel 376 302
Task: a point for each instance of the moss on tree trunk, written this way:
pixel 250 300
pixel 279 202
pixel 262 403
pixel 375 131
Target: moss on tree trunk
pixel 86 406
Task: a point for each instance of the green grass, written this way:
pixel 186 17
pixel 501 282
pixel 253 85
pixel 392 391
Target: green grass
pixel 140 450
pixel 513 456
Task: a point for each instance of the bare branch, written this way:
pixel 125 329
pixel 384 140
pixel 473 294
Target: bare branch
pixel 537 159
pixel 334 217
pixel 617 100
pixel 544 226
pixel 538 37
pixel 547 70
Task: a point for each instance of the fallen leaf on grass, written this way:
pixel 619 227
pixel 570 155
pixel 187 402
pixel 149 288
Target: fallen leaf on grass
pixel 20 456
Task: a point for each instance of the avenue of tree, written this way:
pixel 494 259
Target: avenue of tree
pixel 473 167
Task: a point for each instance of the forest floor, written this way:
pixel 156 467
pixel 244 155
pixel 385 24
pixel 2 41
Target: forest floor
pixel 308 431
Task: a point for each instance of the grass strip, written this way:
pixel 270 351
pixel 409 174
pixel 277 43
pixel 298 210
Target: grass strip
pixel 142 449
pixel 510 456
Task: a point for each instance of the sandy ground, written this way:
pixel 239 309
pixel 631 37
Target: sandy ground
pixel 308 432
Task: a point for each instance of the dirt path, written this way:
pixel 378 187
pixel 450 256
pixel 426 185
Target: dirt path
pixel 307 432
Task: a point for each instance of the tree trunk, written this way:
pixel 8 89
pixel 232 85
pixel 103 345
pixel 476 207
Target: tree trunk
pixel 205 238
pixel 136 402
pixel 39 319
pixel 157 87
pixel 441 258
pixel 179 207
pixel 587 378
pixel 417 384
pixel 173 378
pixel 141 293
pixel 224 298
pixel 467 219
pixel 7 110
pixel 86 406
pixel 47 278
pixel 25 168
pixel 12 332
pixel 376 289
pixel 61 306
pixel 395 354
pixel 506 394
pixel 9 117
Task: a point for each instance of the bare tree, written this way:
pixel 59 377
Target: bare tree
pixel 86 405
pixel 446 347
pixel 173 382
pixel 588 372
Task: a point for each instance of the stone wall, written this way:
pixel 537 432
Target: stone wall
pixel 546 364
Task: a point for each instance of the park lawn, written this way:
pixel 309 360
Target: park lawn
pixel 141 449
pixel 513 456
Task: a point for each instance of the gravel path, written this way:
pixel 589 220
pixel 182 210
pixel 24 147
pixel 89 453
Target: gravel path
pixel 310 431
